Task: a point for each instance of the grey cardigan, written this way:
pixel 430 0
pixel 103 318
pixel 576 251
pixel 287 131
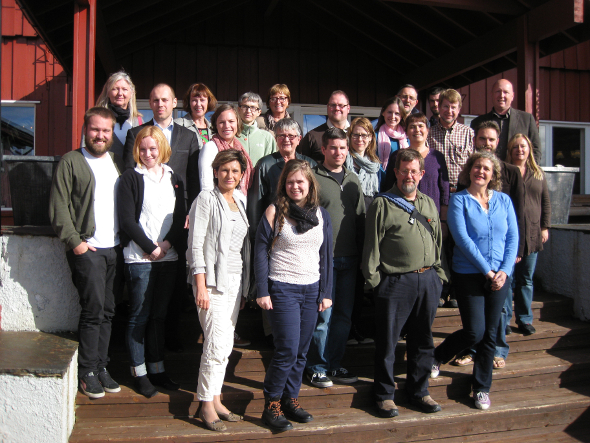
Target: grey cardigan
pixel 209 239
pixel 190 124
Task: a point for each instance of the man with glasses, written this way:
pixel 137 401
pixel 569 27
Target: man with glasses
pixel 338 109
pixel 256 142
pixel 409 97
pixel 402 260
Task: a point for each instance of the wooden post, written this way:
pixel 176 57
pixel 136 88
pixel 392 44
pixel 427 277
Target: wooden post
pixel 527 69
pixel 83 72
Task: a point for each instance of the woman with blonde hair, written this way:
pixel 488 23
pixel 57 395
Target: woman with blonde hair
pixel 293 230
pixel 279 98
pixel 537 221
pixel 483 223
pixel 219 259
pixel 150 203
pixel 118 95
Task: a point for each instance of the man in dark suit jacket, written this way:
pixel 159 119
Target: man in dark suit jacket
pixel 338 109
pixel 510 121
pixel 185 146
pixel 185 162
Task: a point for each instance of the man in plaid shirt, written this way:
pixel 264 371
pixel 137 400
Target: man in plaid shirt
pixel 453 139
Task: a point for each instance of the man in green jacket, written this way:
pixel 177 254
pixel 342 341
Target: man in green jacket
pixel 83 215
pixel 342 196
pixel 257 142
pixel 402 261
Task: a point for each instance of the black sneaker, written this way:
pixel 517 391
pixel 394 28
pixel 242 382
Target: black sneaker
pixel 452 303
pixel 319 380
pixel 90 386
pixel 508 330
pixel 107 382
pixel 343 376
pixel 526 329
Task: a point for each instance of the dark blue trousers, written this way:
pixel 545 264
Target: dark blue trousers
pixel 410 299
pixel 480 313
pixel 293 318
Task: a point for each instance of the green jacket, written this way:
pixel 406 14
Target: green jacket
pixel 346 207
pixel 257 142
pixel 71 202
pixel 393 245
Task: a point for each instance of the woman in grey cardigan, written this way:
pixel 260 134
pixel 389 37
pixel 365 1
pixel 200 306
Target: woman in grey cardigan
pixel 219 258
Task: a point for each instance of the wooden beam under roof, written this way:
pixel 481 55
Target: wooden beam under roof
pixel 507 7
pixel 497 43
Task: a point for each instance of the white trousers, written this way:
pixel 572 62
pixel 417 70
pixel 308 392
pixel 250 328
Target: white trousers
pixel 218 323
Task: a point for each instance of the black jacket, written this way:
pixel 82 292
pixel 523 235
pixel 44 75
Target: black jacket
pixel 129 202
pixel 184 159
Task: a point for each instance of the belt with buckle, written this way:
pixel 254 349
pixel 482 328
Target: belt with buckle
pixel 422 270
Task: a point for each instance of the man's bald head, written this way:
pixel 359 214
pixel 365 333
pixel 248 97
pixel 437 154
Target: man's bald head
pixel 502 96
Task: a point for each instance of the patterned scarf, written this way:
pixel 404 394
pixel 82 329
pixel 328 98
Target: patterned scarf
pixel 222 145
pixel 384 142
pixel 368 173
pixel 270 121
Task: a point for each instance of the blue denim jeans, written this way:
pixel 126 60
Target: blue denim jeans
pixel 331 332
pixel 480 314
pixel 522 282
pixel 293 318
pixel 150 288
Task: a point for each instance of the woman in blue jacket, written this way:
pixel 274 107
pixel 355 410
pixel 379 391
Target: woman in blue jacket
pixel 483 224
pixel 293 230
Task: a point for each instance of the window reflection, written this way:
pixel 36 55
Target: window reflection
pixel 18 130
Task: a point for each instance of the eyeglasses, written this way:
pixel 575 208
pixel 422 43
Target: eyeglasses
pixel 337 105
pixel 362 136
pixel 291 137
pixel 278 99
pixel 247 108
pixel 408 97
pixel 412 173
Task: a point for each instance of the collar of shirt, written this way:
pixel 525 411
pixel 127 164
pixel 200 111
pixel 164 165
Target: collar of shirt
pixel 331 125
pixel 167 130
pixel 449 130
pixel 507 115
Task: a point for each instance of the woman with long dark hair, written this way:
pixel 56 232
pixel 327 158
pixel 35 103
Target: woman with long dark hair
pixel 391 135
pixel 293 230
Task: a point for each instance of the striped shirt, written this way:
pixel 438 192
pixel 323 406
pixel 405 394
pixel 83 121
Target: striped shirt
pixel 455 143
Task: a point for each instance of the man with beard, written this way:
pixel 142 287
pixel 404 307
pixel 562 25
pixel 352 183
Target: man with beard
pixel 433 102
pixel 83 215
pixel 402 260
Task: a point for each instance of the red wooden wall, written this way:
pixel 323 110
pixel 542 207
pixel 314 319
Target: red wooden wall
pixel 564 87
pixel 30 72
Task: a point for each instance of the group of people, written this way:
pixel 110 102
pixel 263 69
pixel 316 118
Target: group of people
pixel 307 225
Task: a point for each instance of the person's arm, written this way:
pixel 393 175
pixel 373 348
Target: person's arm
pixel 128 150
pixel 127 195
pixel 535 139
pixel 374 232
pixel 256 195
pixel 179 216
pixel 59 203
pixel 517 197
pixel 545 206
pixel 458 227
pixel 511 245
pixel 206 157
pixel 360 218
pixel 193 183
pixel 389 181
pixel 264 238
pixel 326 264
pixel 199 217
pixel 440 264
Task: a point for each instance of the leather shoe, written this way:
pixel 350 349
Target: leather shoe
pixel 162 380
pixel 427 404
pixel 293 410
pixel 387 409
pixel 273 416
pixel 527 329
pixel 508 330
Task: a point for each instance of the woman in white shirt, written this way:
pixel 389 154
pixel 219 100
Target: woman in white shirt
pixel 219 258
pixel 150 203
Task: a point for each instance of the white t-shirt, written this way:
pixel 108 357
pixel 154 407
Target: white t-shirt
pixel 157 211
pixel 106 179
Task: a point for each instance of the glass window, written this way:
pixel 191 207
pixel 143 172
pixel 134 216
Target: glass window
pixel 18 129
pixel 311 121
pixel 566 150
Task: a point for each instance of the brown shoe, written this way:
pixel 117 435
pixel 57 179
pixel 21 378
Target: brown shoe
pixel 387 409
pixel 240 342
pixel 427 404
